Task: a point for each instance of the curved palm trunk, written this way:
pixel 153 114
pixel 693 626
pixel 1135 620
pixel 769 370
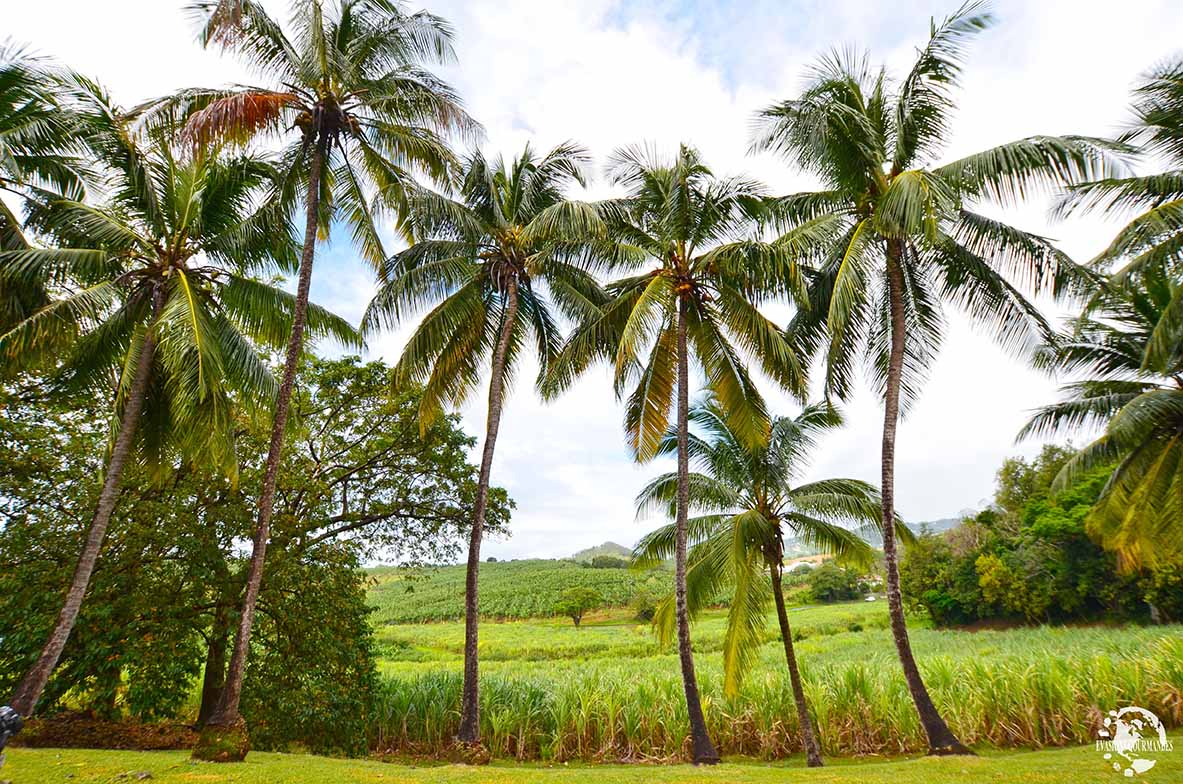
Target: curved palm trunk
pixel 31 686
pixel 470 703
pixel 941 739
pixel 226 712
pixel 701 747
pixel 813 752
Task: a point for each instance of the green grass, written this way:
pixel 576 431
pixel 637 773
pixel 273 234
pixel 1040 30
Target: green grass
pixel 1079 765
pixel 509 589
pixel 607 692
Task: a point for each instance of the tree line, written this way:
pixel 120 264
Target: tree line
pixel 137 272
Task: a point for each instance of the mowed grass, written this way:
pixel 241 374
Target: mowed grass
pixel 1078 765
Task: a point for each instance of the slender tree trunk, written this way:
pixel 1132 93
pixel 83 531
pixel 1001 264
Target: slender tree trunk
pixel 31 686
pixel 226 713
pixel 813 752
pixel 215 666
pixel 470 703
pixel 702 749
pixel 941 739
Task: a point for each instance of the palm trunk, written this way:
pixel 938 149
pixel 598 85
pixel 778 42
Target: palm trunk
pixel 941 739
pixel 226 714
pixel 701 747
pixel 470 704
pixel 31 686
pixel 813 752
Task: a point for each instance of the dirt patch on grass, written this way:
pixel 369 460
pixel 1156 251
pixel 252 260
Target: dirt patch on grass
pixel 83 731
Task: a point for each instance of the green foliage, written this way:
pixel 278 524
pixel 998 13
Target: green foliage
pixel 509 589
pixel 607 692
pixel 750 500
pixel 163 597
pixel 574 602
pixel 1030 556
pixel 833 583
pixel 608 562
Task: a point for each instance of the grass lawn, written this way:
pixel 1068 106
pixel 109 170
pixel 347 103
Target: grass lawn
pixel 1077 765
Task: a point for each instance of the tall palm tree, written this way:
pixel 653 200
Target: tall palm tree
pixel 365 118
pixel 747 499
pixel 1140 407
pixel 911 240
pixel 698 300
pixel 487 261
pixel 158 310
pixel 36 162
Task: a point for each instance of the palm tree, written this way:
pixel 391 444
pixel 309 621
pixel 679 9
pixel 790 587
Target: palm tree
pixel 747 495
pixel 1125 345
pixel 1154 238
pixel 158 310
pixel 36 138
pixel 910 240
pixel 485 259
pixel 365 118
pixel 1140 407
pixel 698 299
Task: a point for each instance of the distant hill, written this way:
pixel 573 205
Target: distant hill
pixel 607 548
pixel 937 526
pixel 928 526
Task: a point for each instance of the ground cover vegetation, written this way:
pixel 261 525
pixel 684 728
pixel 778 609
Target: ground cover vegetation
pixel 190 485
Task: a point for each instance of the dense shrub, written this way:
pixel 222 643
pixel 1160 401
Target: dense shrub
pixel 1029 558
pixel 832 583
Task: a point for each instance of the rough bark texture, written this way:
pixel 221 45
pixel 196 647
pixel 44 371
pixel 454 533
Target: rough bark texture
pixel 813 752
pixel 941 739
pixel 226 714
pixel 215 667
pixel 470 704
pixel 31 686
pixel 702 749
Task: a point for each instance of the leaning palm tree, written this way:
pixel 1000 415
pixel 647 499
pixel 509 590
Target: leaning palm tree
pixel 748 501
pixel 698 300
pixel 365 118
pixel 488 261
pixel 1139 405
pixel 158 308
pixel 36 162
pixel 910 240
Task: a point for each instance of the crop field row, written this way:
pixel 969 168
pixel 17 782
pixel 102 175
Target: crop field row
pixel 606 692
pixel 509 589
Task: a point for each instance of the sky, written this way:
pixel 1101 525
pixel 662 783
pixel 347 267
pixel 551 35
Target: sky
pixel 614 72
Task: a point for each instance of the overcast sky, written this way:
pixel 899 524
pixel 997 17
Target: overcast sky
pixel 608 73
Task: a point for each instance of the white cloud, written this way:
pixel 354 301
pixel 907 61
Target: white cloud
pixel 611 73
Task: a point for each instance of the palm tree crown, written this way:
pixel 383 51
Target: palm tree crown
pixel 748 501
pixel 511 235
pixel 1140 407
pixel 1154 238
pixel 350 82
pixel 695 232
pixel 37 162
